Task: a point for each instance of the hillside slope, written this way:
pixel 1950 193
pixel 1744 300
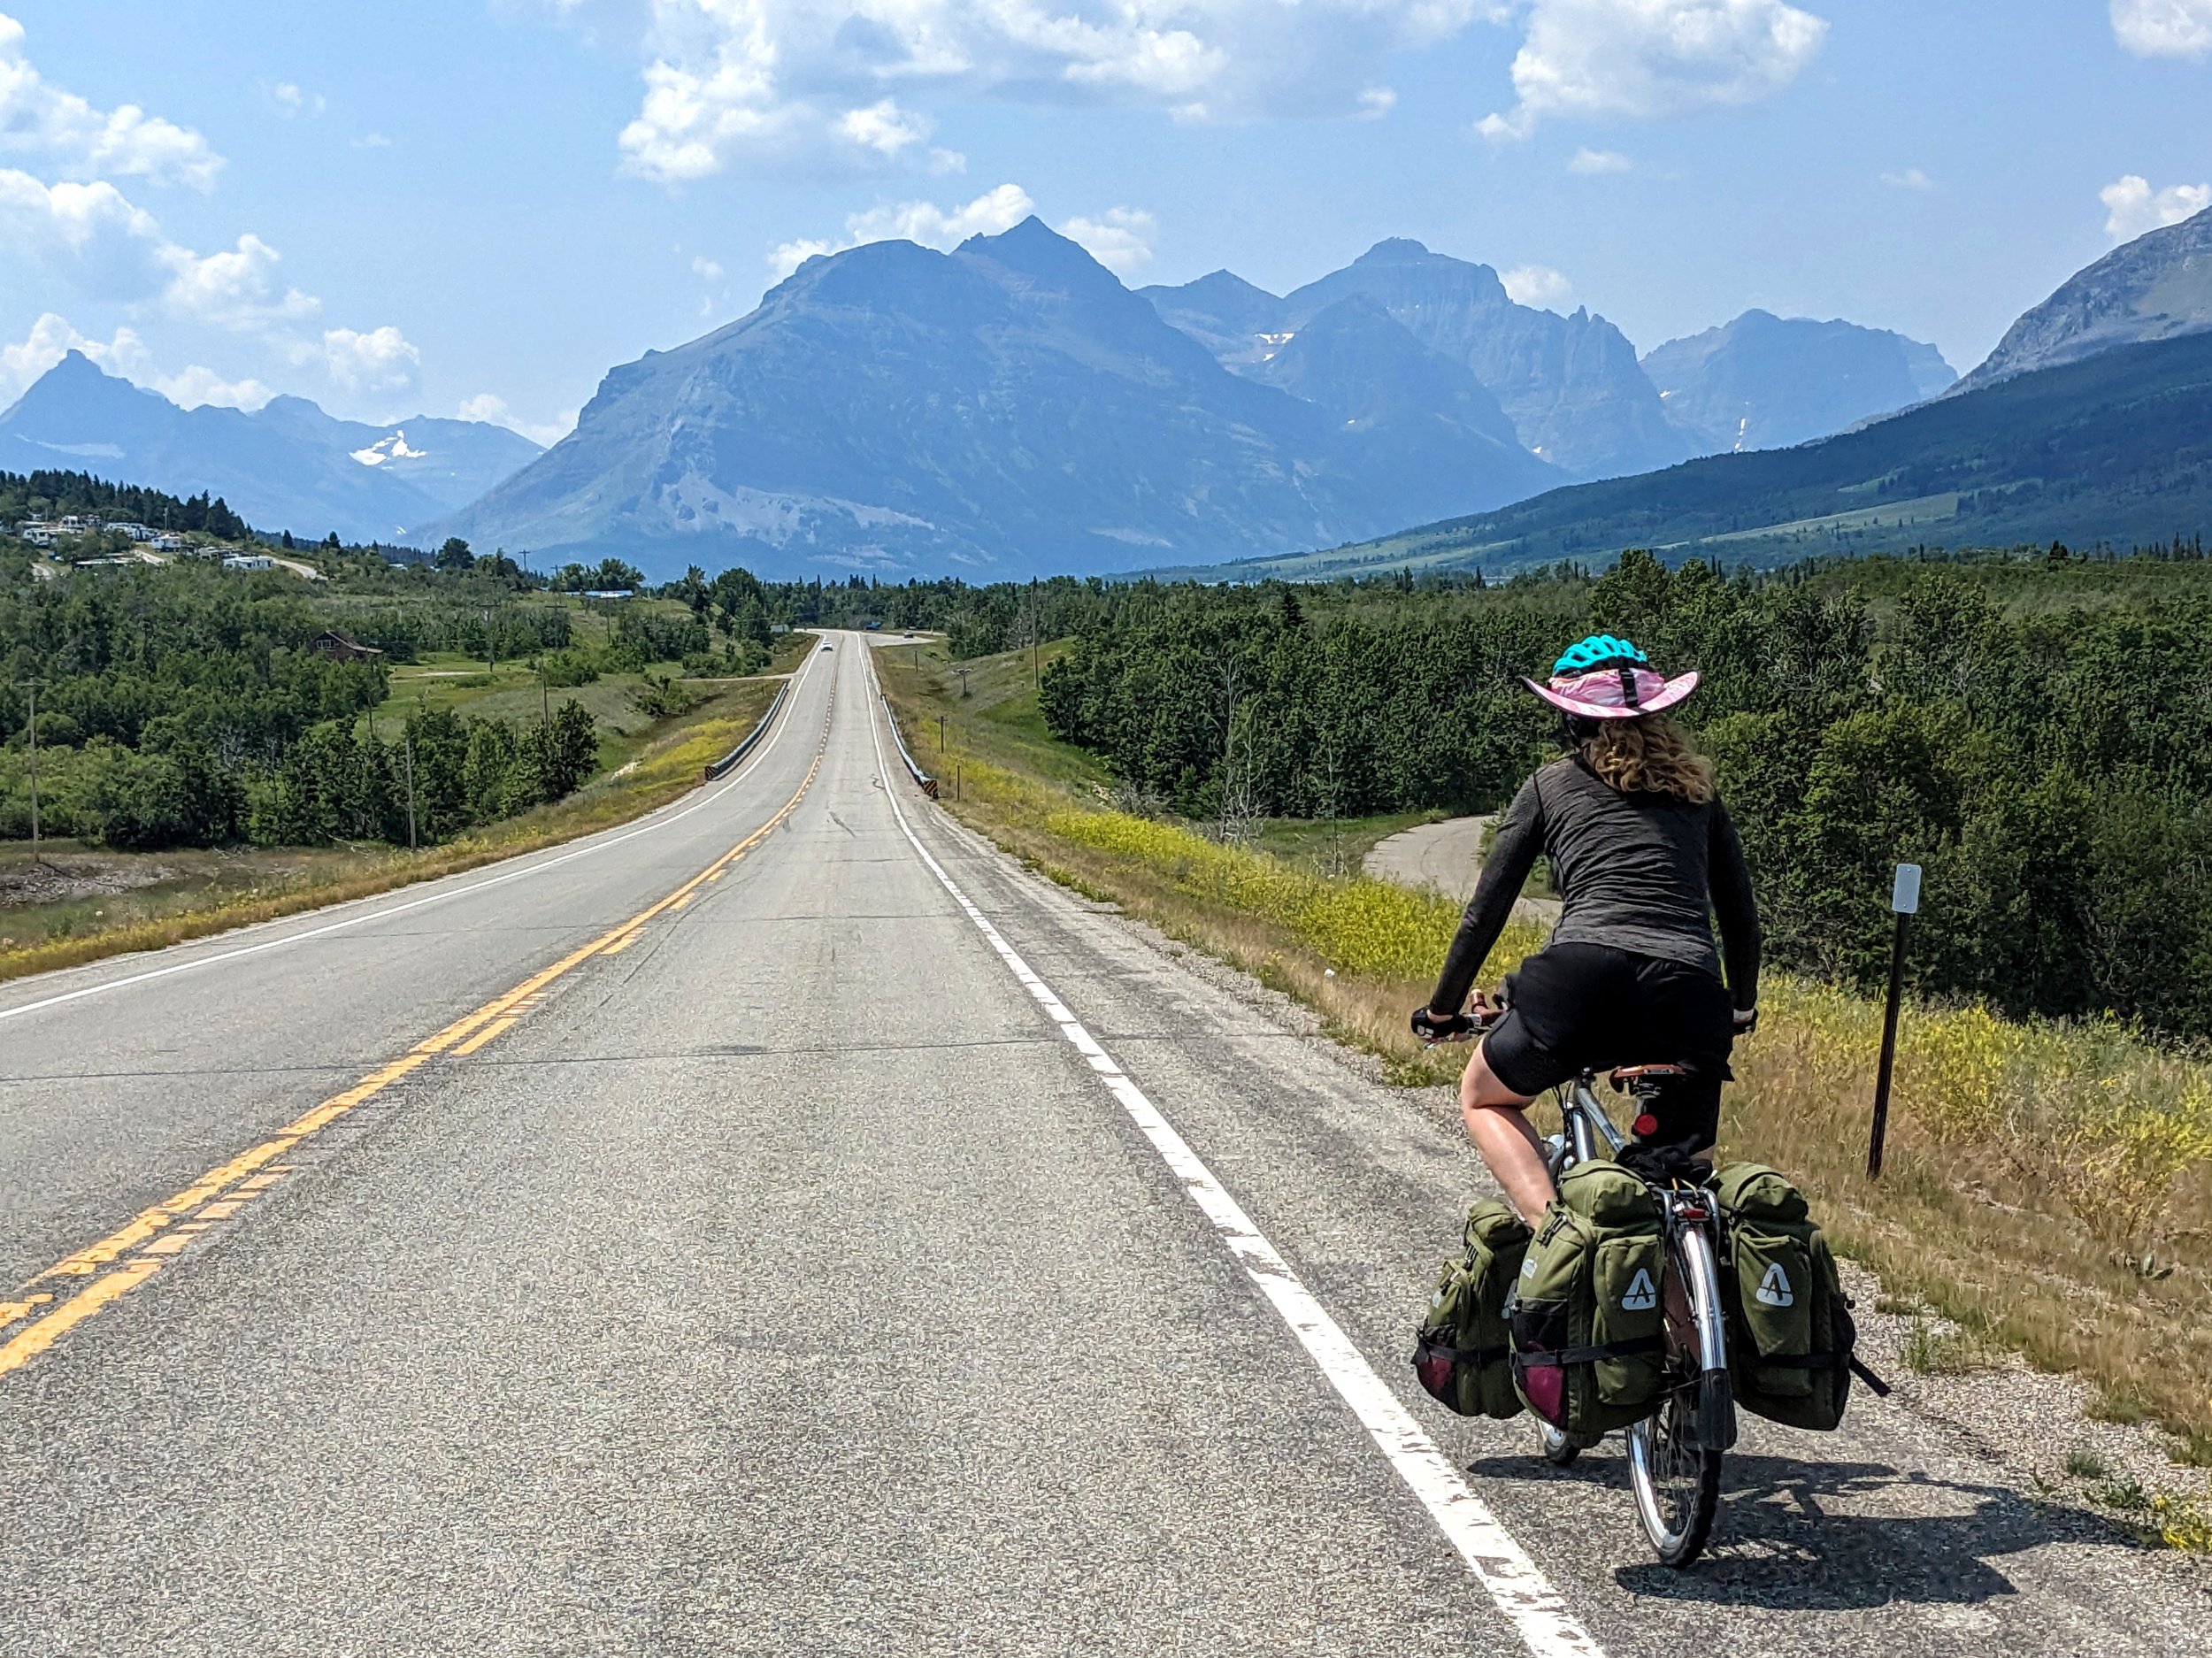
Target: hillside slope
pixel 2115 449
pixel 2158 287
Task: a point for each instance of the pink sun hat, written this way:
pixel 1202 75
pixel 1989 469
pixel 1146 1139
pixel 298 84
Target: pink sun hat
pixel 1628 690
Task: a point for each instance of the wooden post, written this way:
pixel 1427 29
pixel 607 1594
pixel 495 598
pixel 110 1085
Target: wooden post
pixel 1905 901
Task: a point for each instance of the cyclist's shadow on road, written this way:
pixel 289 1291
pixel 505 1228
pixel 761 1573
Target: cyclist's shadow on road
pixel 1840 1536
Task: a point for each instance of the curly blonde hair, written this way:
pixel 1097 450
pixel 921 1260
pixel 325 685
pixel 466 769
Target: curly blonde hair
pixel 1650 755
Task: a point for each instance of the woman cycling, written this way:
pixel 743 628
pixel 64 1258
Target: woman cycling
pixel 1643 854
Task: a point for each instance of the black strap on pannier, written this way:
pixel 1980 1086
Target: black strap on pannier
pixel 1591 1355
pixel 1477 1356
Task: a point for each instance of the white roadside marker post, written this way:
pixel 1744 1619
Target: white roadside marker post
pixel 1904 899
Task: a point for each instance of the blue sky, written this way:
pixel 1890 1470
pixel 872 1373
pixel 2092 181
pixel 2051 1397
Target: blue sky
pixel 481 205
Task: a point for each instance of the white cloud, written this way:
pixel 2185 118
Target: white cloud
pixel 1910 178
pixel 2164 28
pixel 110 248
pixel 1645 58
pixel 706 269
pixel 1593 162
pixel 197 385
pixel 84 142
pixel 291 101
pixel 733 81
pixel 935 226
pixel 1121 238
pixel 2133 208
pixel 52 337
pixel 382 359
pixel 492 408
pixel 372 141
pixel 237 290
pixel 1535 285
pixel 1376 102
pixel 789 255
pixel 883 127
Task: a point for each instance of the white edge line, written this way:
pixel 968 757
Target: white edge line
pixel 1537 1611
pixel 659 819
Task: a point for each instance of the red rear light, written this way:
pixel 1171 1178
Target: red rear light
pixel 1645 1125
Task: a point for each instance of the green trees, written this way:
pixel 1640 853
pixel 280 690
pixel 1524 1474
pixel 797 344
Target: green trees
pixel 2048 758
pixel 181 708
pixel 341 783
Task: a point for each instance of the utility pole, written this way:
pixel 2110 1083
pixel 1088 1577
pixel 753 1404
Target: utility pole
pixel 407 738
pixel 32 687
pixel 491 660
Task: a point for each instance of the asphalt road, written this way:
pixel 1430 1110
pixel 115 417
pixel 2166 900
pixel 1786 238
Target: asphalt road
pixel 872 1249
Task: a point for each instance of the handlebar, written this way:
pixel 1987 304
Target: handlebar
pixel 1434 1028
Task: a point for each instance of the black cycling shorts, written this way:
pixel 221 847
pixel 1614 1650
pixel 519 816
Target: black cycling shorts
pixel 1589 1007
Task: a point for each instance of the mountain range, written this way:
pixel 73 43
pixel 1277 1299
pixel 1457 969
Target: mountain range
pixel 287 465
pixel 1011 407
pixel 1006 408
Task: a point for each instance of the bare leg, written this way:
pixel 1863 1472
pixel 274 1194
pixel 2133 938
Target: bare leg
pixel 1497 1122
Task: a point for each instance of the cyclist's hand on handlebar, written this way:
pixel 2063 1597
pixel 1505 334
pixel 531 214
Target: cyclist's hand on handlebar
pixel 1746 1021
pixel 1433 1027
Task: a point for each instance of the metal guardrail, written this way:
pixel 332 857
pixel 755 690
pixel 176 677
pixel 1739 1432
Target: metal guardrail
pixel 716 768
pixel 928 783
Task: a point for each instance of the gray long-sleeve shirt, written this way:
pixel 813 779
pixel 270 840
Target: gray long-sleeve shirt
pixel 1640 872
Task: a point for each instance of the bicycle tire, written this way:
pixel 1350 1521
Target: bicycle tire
pixel 1675 1478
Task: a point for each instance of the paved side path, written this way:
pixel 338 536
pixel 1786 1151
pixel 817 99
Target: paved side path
pixel 1446 857
pixel 787 1278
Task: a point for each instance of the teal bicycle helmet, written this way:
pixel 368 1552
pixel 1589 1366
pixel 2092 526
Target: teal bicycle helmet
pixel 1599 650
pixel 1605 677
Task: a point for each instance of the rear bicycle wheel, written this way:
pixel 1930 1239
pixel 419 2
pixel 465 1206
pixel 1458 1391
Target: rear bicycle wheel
pixel 1675 1477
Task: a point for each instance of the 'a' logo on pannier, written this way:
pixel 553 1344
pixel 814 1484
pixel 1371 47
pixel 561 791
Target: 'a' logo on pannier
pixel 1774 1289
pixel 1642 1294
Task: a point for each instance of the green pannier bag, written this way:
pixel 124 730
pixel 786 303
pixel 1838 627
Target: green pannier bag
pixel 1462 1352
pixel 1790 1333
pixel 1587 1324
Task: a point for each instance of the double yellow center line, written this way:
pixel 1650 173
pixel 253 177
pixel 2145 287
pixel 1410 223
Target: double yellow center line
pixel 127 1257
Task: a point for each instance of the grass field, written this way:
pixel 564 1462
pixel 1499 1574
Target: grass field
pixel 2047 1186
pixel 82 905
